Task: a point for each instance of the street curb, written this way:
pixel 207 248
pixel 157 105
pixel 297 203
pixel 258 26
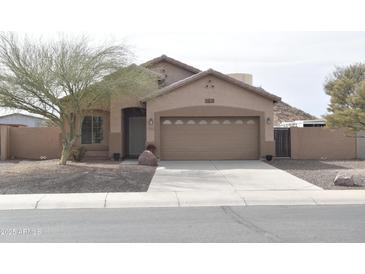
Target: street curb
pixel 181 199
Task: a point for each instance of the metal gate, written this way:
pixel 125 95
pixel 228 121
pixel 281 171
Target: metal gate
pixel 282 142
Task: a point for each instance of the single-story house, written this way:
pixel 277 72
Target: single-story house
pixel 189 115
pixel 20 119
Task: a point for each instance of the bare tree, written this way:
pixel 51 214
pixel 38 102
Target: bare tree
pixel 57 79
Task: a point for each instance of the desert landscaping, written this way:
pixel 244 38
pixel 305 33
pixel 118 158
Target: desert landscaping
pixel 26 177
pixel 323 173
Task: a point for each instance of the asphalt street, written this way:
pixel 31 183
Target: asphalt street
pixel 189 224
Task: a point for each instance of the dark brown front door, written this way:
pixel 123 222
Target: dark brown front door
pixel 134 131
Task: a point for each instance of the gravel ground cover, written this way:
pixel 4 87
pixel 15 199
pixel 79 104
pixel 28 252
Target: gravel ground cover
pixel 25 177
pixel 323 173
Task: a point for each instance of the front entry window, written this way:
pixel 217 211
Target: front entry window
pixel 92 130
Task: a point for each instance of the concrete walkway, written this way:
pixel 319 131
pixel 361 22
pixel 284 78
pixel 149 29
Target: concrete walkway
pixel 224 176
pixel 181 199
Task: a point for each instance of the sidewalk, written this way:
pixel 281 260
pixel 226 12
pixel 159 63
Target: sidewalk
pixel 180 199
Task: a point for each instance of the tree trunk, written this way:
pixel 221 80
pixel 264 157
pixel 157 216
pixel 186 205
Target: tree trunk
pixel 66 152
pixel 69 139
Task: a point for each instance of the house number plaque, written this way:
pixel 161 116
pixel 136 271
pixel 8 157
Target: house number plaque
pixel 209 100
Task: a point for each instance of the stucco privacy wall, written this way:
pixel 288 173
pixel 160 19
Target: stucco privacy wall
pixel 189 100
pixel 33 143
pixel 322 143
pixel 360 145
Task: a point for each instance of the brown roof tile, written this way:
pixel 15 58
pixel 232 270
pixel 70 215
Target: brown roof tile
pixel 259 91
pixel 170 60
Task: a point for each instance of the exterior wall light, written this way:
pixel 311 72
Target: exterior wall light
pixel 268 121
pixel 150 122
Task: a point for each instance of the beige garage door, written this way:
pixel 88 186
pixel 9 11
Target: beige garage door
pixel 227 138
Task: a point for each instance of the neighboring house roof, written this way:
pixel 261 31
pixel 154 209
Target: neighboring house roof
pixel 303 123
pixel 195 77
pixel 170 60
pixel 19 119
pixel 21 114
pixel 13 125
pixel 284 112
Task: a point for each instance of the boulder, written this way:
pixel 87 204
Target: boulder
pixel 344 180
pixel 147 158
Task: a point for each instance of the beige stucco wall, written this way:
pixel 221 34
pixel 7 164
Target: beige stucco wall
pixel 173 73
pixel 33 143
pixel 360 145
pixel 230 100
pixel 322 143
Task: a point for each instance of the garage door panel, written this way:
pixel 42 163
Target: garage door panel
pixel 201 138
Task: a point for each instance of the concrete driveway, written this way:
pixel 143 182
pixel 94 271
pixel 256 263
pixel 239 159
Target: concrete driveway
pixel 224 176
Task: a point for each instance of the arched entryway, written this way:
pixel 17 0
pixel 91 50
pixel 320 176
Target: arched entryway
pixel 134 131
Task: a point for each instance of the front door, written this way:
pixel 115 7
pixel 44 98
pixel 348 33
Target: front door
pixel 137 135
pixel 134 129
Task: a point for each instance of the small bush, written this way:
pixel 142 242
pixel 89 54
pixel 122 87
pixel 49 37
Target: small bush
pixel 151 147
pixel 78 154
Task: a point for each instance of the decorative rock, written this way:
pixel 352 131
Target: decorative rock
pixel 147 158
pixel 344 180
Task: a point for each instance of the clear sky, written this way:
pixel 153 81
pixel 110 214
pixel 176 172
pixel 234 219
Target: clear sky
pixel 292 65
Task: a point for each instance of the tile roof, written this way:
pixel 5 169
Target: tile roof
pixel 183 82
pixel 170 60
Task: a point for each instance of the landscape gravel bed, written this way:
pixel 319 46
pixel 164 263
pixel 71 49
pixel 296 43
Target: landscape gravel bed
pixel 26 177
pixel 323 173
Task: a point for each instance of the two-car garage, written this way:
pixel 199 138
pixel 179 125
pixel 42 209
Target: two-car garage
pixel 210 116
pixel 209 138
